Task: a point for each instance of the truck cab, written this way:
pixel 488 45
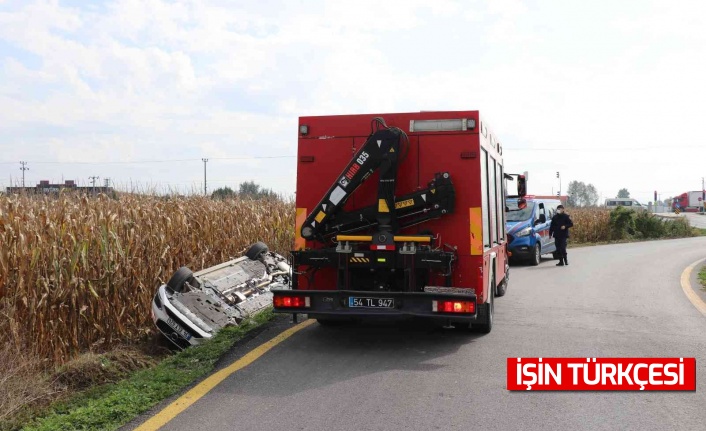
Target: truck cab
pixel 528 229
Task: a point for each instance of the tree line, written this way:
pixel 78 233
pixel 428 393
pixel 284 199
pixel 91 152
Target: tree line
pixel 247 189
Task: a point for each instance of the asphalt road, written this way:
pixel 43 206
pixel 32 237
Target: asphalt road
pixel 695 219
pixel 612 301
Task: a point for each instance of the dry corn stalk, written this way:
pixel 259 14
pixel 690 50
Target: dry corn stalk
pixel 78 273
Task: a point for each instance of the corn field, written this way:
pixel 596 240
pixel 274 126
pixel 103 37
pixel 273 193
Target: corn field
pixel 590 225
pixel 78 273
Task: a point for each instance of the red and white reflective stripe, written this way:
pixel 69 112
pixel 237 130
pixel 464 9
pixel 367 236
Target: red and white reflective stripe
pixel 601 374
pixel 383 247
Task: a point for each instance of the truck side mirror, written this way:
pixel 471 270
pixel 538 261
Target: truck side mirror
pixel 521 186
pixel 542 219
pixel 521 203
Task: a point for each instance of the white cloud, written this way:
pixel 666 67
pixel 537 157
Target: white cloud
pixel 189 79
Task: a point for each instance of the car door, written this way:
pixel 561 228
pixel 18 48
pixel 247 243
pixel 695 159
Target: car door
pixel 551 242
pixel 541 225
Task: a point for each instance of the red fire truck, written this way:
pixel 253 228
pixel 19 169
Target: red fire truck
pixel 399 215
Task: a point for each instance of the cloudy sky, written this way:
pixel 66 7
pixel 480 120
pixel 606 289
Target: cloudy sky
pixel 606 92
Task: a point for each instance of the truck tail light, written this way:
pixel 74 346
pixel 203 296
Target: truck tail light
pixel 382 247
pixel 291 302
pixel 453 306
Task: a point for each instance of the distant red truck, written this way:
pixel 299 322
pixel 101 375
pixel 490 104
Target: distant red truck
pixel 689 201
pixel 399 215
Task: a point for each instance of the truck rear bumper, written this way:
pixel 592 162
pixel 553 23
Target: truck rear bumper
pixel 337 304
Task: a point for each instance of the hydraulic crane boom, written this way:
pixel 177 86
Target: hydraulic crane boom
pixel 380 151
pixel 411 209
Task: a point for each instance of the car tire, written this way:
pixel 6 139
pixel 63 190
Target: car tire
pixel 536 255
pixel 256 250
pixel 502 287
pixel 181 276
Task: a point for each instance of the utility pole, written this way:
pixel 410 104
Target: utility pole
pixel 205 189
pixel 94 183
pixel 23 168
pixel 559 176
pixel 106 181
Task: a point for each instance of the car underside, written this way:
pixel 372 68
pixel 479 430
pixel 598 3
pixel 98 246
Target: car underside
pixel 192 307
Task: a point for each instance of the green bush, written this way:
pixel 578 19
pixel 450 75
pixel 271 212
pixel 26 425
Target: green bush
pixel 678 228
pixel 649 226
pixel 622 223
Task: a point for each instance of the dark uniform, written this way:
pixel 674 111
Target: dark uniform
pixel 561 235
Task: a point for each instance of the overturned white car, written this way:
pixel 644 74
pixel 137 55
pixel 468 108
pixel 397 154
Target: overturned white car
pixel 192 307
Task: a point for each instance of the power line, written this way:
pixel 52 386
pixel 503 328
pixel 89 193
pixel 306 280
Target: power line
pixel 129 162
pixel 602 148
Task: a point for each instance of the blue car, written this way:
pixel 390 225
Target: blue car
pixel 528 230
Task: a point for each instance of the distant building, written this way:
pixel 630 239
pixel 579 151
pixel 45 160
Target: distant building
pixel 69 185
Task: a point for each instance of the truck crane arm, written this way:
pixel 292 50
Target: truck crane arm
pixel 411 209
pixel 380 151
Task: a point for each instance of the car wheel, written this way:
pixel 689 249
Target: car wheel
pixel 502 287
pixel 256 250
pixel 536 255
pixel 181 276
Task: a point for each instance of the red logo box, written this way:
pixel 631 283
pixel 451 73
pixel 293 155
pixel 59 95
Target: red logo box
pixel 601 374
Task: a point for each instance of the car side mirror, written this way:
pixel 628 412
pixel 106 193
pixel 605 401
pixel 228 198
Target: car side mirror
pixel 521 186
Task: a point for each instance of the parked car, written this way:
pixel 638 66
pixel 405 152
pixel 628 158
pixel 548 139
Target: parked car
pixel 613 203
pixel 192 307
pixel 528 230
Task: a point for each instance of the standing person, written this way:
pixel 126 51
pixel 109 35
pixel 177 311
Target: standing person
pixel 561 222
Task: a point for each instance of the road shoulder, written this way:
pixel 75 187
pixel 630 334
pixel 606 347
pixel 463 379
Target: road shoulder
pixel 695 283
pixel 691 286
pixel 252 341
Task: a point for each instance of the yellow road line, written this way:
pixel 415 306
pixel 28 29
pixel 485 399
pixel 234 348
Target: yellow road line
pixel 689 290
pixel 183 402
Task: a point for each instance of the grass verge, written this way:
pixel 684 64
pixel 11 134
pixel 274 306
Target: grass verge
pixel 702 277
pixel 108 407
pixel 571 244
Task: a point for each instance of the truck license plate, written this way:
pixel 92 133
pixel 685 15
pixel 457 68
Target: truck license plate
pixel 371 302
pixel 179 330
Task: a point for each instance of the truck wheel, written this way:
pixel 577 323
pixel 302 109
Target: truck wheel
pixel 487 326
pixel 256 250
pixel 536 255
pixel 502 287
pixel 181 276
